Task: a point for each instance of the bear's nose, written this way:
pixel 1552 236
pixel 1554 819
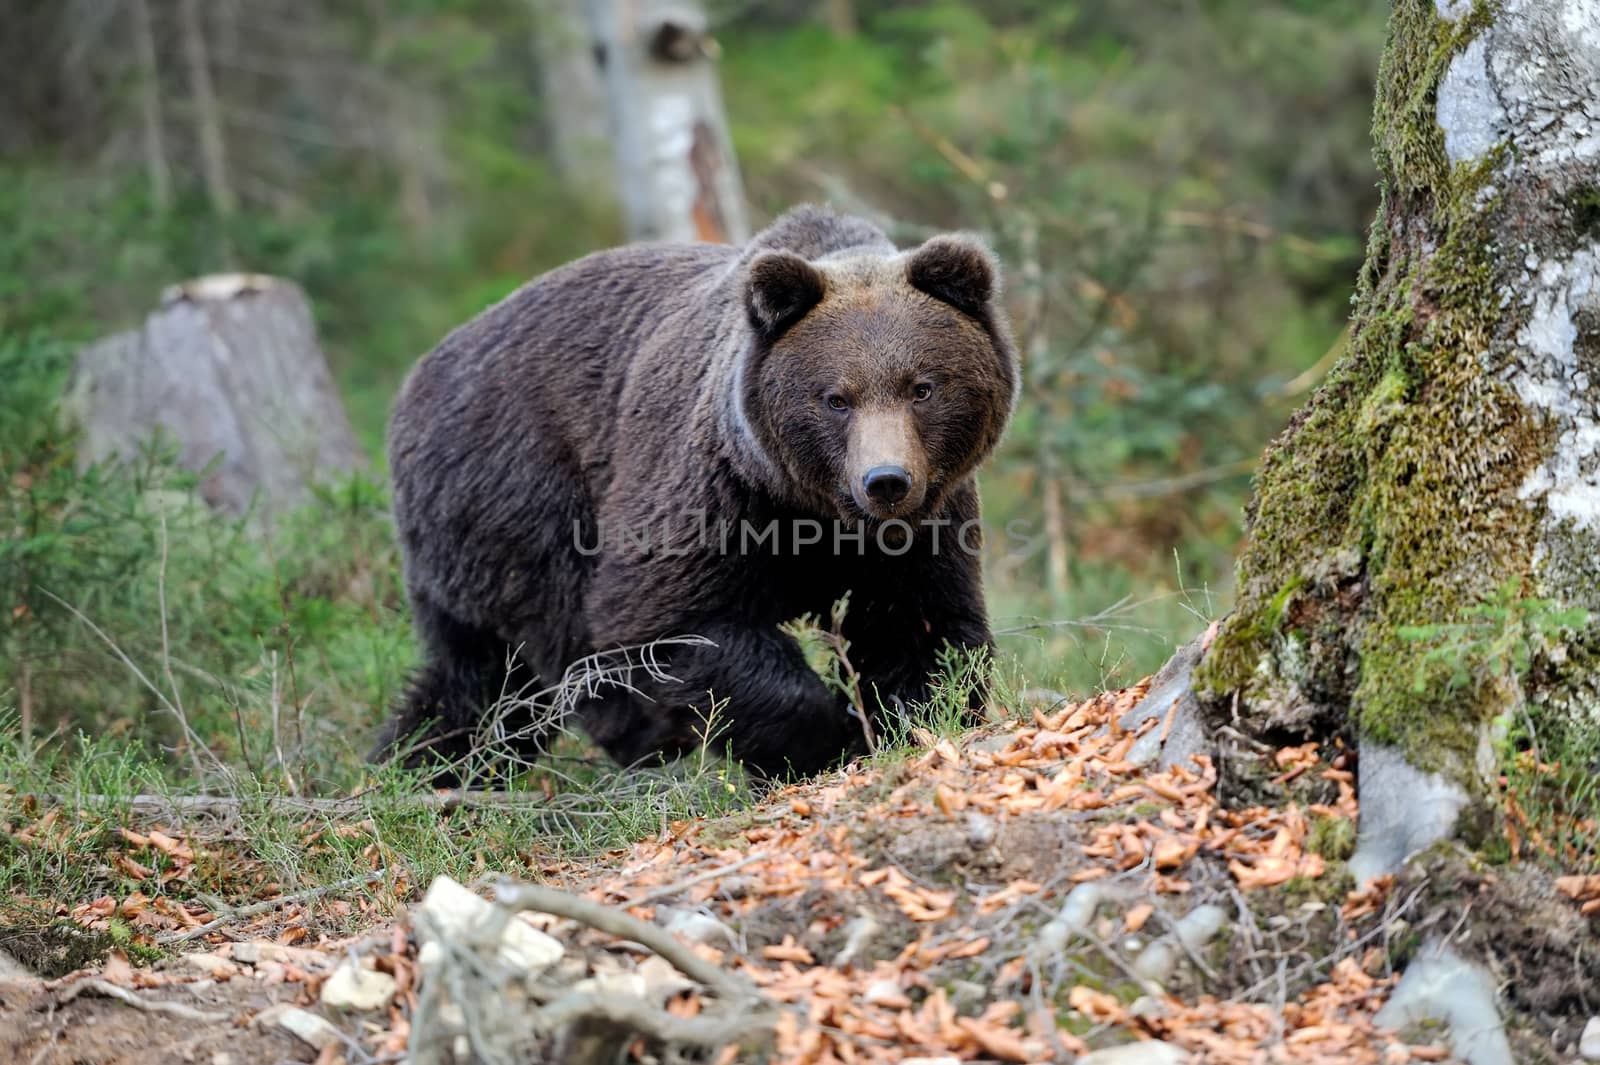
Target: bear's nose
pixel 887 484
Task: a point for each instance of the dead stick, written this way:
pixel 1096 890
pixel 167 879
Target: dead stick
pixel 256 908
pixel 705 1030
pixel 121 994
pixel 228 804
pixel 668 890
pixel 518 896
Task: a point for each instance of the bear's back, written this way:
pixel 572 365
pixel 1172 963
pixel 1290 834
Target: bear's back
pixel 553 356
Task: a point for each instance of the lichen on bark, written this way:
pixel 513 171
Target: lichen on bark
pixel 1400 496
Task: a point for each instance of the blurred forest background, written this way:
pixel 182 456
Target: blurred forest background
pixel 1180 190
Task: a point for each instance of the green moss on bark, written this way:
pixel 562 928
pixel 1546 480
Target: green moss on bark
pixel 1390 500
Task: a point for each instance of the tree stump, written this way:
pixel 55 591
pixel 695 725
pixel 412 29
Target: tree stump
pixel 229 370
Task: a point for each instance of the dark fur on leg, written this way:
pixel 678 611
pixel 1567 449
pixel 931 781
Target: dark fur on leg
pixel 438 723
pixel 423 732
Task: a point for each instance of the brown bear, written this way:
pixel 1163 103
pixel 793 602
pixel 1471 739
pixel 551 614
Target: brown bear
pixel 701 440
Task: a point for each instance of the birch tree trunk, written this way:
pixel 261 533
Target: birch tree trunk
pixel 1438 500
pixel 157 168
pixel 208 118
pixel 676 170
pixel 574 92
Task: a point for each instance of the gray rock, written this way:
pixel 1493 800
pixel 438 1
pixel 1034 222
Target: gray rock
pixel 1150 1052
pixel 351 987
pixel 1439 985
pixel 1589 1042
pixel 1403 811
pixel 304 1025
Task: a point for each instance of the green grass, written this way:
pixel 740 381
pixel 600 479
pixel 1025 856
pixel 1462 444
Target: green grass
pixel 64 805
pixel 1549 763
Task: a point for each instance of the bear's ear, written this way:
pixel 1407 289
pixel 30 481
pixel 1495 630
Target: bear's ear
pixel 956 270
pixel 782 287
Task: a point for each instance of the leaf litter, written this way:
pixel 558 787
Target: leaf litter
pixel 895 911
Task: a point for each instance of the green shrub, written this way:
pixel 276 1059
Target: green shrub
pixel 124 599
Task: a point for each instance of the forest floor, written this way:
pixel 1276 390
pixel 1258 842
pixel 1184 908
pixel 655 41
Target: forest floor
pixel 1022 893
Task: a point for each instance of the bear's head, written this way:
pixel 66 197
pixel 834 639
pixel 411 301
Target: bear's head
pixel 877 382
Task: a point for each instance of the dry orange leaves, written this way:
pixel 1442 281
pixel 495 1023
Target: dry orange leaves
pixel 881 987
pixel 810 846
pixel 1585 890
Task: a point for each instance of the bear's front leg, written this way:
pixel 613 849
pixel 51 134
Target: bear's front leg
pixel 896 639
pixel 750 689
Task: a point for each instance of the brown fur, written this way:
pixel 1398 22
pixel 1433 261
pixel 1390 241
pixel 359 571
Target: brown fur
pixel 638 387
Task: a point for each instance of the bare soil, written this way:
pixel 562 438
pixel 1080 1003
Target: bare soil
pixel 37 1028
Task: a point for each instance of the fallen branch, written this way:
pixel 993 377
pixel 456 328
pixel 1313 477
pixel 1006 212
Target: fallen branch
pixel 666 891
pixel 638 1016
pixel 517 896
pixel 223 805
pixel 148 1005
pixel 267 906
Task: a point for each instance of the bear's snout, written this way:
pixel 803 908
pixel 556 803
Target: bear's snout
pixel 887 484
pixel 886 469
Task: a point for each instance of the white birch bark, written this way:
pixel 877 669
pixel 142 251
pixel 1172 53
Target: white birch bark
pixel 677 175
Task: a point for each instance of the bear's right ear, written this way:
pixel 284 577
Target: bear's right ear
pixel 781 288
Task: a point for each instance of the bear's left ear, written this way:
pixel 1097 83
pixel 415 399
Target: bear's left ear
pixel 957 270
pixel 782 287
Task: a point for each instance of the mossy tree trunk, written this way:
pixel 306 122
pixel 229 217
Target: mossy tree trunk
pixel 1427 529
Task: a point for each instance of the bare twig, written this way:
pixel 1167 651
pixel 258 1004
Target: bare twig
pixel 666 891
pixel 1345 949
pixel 190 736
pixel 230 805
pixel 515 896
pixel 1315 372
pixel 1116 959
pixel 521 717
pixel 148 1005
pixel 25 699
pixel 1163 486
pixel 166 651
pixel 256 908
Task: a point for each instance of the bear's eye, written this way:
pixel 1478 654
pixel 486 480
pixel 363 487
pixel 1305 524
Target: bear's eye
pixel 922 392
pixel 838 402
